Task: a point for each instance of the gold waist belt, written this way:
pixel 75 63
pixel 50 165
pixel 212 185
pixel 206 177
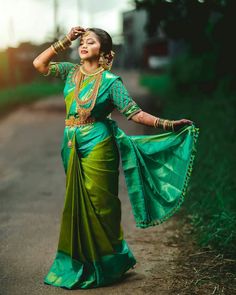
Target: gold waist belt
pixel 72 121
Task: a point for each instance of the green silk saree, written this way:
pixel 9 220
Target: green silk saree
pixel 92 251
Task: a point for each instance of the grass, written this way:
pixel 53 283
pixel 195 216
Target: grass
pixel 211 203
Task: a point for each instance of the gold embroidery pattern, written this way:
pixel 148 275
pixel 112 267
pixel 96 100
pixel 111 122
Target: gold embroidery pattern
pixel 64 70
pixel 121 99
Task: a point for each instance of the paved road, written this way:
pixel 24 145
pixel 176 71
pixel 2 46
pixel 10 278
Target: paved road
pixel 32 187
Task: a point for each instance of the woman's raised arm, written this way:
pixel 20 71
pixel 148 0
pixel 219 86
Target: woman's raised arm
pixel 41 62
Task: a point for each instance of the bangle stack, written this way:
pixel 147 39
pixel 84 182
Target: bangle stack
pixel 163 123
pixel 61 45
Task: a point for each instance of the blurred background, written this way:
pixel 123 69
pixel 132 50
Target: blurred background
pixel 184 52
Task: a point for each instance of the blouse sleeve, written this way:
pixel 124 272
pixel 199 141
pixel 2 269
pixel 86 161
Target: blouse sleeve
pixel 122 101
pixel 59 69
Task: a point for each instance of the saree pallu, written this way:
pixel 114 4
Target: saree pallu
pixel 157 170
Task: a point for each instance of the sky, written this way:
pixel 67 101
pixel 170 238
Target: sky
pixel 33 20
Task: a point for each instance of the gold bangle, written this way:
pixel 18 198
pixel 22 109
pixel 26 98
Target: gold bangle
pixel 162 121
pixel 61 44
pixel 172 126
pixel 54 50
pixel 65 42
pixel 56 46
pixel 156 122
pixel 68 38
pixel 168 124
pixel 164 124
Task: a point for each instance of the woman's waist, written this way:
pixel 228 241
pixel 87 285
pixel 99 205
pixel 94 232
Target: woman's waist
pixel 90 133
pixel 75 120
pixel 91 125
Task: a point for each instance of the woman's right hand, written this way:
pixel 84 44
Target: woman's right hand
pixel 75 33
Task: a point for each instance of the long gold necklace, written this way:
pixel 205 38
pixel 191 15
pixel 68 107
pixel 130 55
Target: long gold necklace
pixel 84 113
pixel 80 79
pixel 69 143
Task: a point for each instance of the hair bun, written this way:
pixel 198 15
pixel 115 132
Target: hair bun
pixel 108 60
pixel 109 56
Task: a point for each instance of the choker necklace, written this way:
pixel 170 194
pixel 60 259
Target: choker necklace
pixel 97 71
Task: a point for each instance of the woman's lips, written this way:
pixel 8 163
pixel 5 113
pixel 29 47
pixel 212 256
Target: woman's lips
pixel 84 51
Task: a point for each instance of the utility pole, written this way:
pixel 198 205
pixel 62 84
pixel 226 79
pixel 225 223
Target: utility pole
pixel 11 30
pixel 56 26
pixel 78 12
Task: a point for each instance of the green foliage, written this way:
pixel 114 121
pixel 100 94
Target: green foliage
pixel 27 93
pixel 190 72
pixel 180 19
pixel 211 201
pixel 204 26
pixel 3 68
pixel 160 85
pixel 195 73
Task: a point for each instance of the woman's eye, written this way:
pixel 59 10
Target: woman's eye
pixel 87 43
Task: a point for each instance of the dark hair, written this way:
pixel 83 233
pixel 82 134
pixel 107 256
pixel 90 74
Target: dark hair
pixel 104 39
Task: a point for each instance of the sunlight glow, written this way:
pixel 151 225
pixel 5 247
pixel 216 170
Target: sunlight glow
pixel 33 20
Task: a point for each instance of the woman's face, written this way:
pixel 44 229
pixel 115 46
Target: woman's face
pixel 89 47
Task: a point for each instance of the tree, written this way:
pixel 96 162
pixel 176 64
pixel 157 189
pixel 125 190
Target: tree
pixel 204 25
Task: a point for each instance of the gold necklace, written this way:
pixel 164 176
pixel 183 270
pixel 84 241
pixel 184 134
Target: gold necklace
pixel 97 71
pixel 78 86
pixel 84 113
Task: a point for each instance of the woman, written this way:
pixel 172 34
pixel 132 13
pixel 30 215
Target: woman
pixel 91 250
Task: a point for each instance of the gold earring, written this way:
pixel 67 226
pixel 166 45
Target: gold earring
pixel 101 60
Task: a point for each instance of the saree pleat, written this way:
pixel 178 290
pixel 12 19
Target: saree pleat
pixel 91 249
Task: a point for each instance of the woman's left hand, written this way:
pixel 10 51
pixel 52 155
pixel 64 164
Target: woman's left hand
pixel 178 124
pixel 75 33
